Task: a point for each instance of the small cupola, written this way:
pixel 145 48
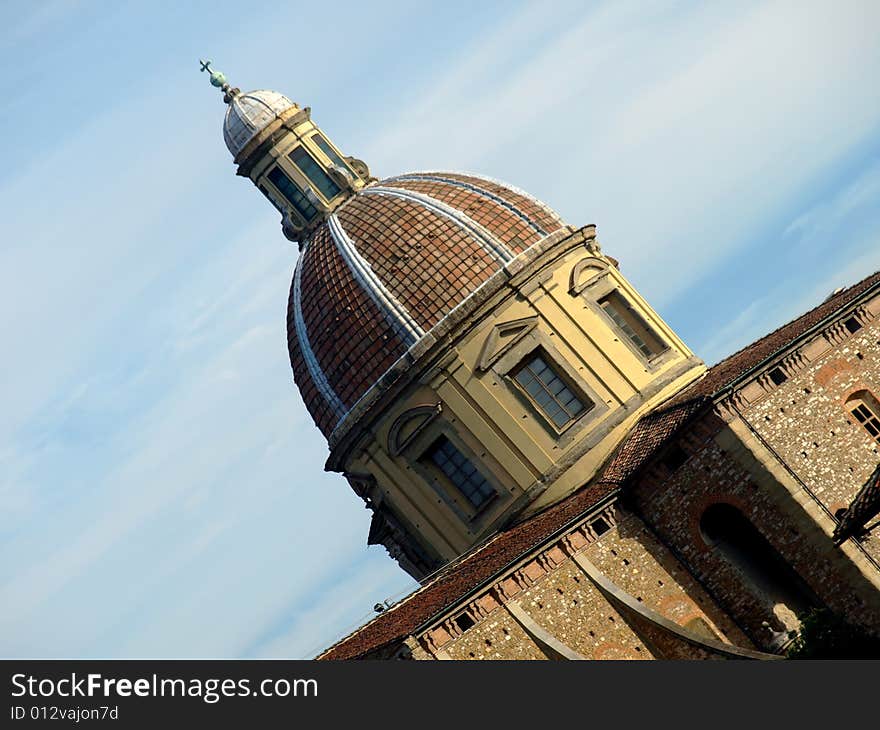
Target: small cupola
pixel 292 162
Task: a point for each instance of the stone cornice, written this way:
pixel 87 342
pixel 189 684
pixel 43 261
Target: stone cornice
pixel 814 343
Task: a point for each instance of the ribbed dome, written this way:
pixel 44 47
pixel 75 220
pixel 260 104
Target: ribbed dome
pixel 249 113
pixel 387 266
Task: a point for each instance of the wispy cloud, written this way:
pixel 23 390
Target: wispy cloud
pixel 679 130
pixel 162 484
pixel 837 241
pixel 857 198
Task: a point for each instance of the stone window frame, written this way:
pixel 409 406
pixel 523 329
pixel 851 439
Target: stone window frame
pixel 600 285
pixel 585 405
pixel 280 157
pixel 415 454
pixel 777 375
pixel 447 459
pixel 853 324
pixel 419 418
pixel 506 365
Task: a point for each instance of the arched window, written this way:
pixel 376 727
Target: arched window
pixel 866 410
pixel 738 541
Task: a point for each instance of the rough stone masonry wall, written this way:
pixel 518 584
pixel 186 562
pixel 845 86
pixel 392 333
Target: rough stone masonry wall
pixel 562 599
pixel 805 421
pixel 673 502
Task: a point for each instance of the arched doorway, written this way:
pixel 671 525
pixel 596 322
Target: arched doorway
pixel 770 577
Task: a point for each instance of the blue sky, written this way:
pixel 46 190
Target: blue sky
pixel 161 484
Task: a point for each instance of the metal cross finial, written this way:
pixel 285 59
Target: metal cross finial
pixel 218 78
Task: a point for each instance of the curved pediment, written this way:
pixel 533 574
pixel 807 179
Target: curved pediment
pixel 410 424
pixel 585 272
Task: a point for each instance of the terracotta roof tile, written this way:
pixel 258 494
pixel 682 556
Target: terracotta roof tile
pixel 407 248
pixel 646 439
pixel 334 309
pixel 509 224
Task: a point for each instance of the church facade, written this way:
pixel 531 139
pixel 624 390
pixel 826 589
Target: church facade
pixel 562 474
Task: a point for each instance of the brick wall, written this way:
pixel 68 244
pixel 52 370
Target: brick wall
pixel 559 597
pixel 805 421
pixel 721 468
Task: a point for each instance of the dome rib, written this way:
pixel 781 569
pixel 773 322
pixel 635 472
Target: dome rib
pixel 489 242
pixel 425 259
pixel 551 214
pixel 474 188
pixel 401 320
pixel 315 371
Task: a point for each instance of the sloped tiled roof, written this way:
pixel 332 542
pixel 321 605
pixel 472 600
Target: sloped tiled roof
pixel 864 508
pixel 467 573
pixel 644 441
pixel 732 367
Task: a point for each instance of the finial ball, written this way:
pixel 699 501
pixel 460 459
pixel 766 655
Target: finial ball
pixel 218 78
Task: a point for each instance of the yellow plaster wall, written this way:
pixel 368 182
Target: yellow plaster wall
pixel 518 451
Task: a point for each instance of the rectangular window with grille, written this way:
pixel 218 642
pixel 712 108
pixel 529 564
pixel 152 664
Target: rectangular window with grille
pixel 292 193
pixel 459 470
pixel 869 420
pixel 632 325
pixel 549 392
pixel 314 172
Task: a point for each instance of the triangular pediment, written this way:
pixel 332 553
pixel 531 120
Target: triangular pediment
pixel 502 337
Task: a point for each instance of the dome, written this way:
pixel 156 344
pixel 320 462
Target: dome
pixel 247 114
pixel 387 266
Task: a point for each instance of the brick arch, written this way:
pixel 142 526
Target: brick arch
pixel 616 650
pixel 684 612
pixel 679 609
pixel 862 386
pixel 863 406
pixel 699 507
pixel 740 544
